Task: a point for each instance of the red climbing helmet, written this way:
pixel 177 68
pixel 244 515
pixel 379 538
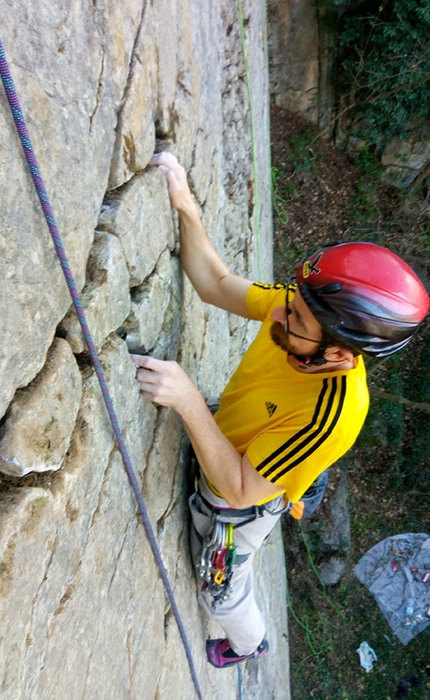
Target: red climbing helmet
pixel 364 295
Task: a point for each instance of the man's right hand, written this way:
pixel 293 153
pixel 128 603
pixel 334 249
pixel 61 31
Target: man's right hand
pixel 208 274
pixel 179 191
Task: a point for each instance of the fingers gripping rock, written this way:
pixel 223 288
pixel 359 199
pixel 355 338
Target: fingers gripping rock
pixel 164 382
pixel 179 191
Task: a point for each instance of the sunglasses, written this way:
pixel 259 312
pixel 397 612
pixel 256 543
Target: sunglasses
pixel 291 290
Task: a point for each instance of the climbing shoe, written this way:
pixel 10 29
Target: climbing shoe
pixel 221 655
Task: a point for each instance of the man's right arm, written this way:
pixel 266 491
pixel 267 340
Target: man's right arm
pixel 208 274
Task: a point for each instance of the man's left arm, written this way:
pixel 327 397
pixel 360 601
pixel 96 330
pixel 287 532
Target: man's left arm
pixel 232 474
pixel 207 272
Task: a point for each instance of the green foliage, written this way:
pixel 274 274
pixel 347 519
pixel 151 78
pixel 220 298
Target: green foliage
pixel 395 442
pixel 416 441
pixel 366 194
pixel 383 65
pixel 305 153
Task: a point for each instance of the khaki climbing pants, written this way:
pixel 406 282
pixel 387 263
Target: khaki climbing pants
pixel 239 615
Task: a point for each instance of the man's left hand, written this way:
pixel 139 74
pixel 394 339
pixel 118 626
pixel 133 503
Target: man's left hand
pixel 165 382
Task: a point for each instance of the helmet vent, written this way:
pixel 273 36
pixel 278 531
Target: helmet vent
pixel 331 288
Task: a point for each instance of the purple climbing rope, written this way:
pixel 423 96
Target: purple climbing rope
pixel 32 163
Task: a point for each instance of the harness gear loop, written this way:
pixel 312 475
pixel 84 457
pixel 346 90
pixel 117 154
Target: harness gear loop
pixel 217 559
pixel 218 555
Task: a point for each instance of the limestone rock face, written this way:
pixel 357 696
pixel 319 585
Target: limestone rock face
pixel 103 84
pixel 151 303
pixel 295 47
pixel 404 159
pixel 142 219
pixel 105 297
pixel 301 59
pixel 70 67
pixel 36 433
pixel 135 130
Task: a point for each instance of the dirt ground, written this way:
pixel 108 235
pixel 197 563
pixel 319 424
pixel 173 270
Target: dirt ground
pixel 317 181
pixel 323 196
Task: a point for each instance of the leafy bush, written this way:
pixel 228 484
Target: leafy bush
pixel 383 66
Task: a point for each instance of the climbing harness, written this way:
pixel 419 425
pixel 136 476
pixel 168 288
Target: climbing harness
pixel 33 166
pixel 250 513
pixel 218 554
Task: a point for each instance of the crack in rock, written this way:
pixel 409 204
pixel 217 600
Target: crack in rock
pixel 99 90
pixel 133 61
pixel 118 556
pixel 63 23
pixel 90 657
pixel 29 639
pixel 71 585
pixel 129 661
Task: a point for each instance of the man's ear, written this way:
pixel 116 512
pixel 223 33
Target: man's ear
pixel 334 353
pixel 278 314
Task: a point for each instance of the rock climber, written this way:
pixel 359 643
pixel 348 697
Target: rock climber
pixel 293 407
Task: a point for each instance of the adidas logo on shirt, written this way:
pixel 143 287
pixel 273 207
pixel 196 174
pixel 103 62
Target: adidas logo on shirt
pixel 271 408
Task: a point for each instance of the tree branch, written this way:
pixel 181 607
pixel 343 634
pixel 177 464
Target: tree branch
pixel 381 394
pixel 360 103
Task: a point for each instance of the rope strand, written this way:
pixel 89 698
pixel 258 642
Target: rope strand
pixel 33 166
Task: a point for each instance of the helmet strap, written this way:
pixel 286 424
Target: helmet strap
pixel 307 362
pixel 317 360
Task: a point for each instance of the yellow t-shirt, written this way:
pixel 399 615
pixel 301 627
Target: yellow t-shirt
pixel 291 425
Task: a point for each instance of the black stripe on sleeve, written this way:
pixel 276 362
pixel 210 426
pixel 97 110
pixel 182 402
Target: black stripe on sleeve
pixel 323 437
pixel 301 432
pixel 310 437
pixel 268 287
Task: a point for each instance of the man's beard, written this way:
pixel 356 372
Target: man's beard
pixel 280 337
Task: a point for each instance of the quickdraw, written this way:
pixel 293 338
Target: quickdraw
pixel 217 560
